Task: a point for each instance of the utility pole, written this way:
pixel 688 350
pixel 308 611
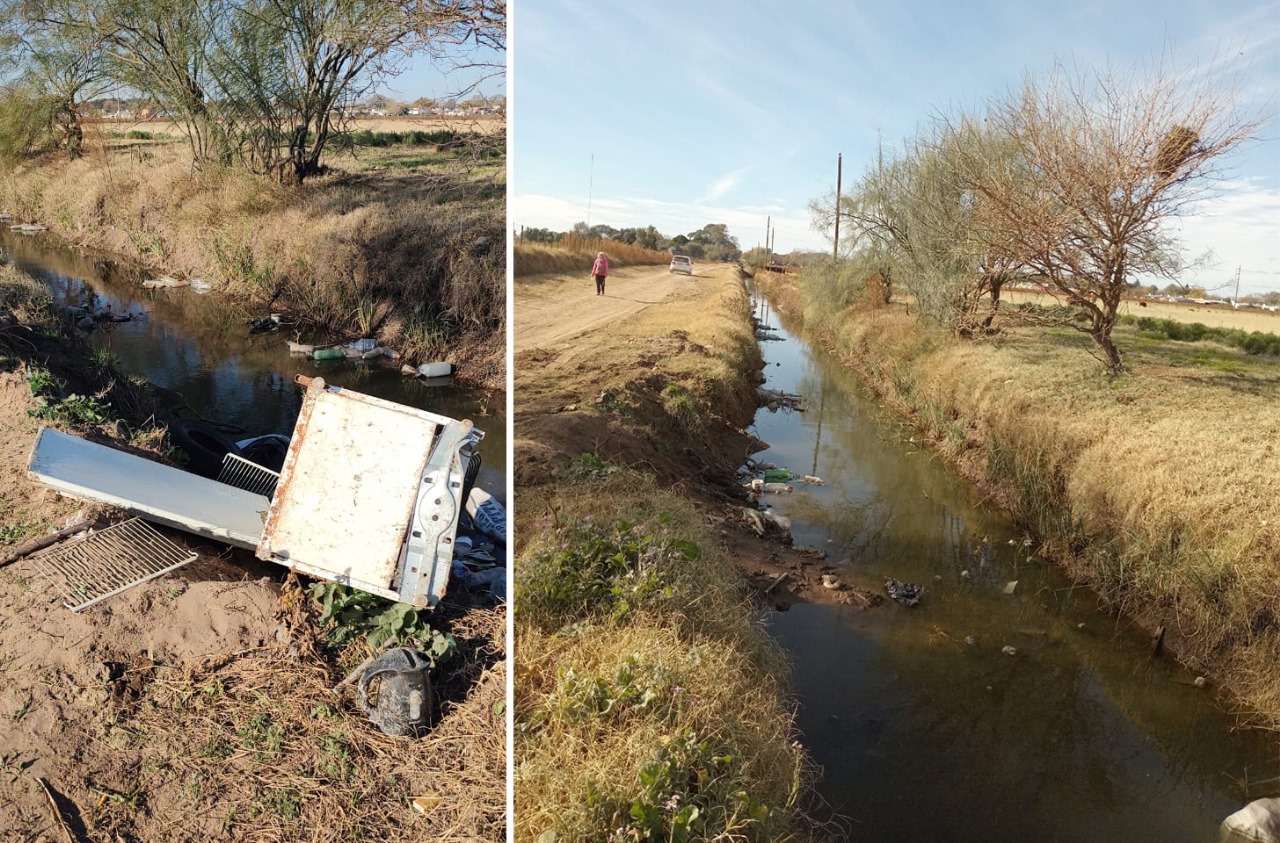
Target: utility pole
pixel 1235 301
pixel 768 222
pixel 835 247
pixel 591 181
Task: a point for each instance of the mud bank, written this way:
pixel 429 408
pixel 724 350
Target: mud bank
pixel 1038 449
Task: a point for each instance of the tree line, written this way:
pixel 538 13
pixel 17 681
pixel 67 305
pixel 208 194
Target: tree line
pixel 263 84
pixel 711 242
pixel 1070 181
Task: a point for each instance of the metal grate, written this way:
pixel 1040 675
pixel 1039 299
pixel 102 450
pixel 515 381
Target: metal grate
pixel 245 474
pixel 103 564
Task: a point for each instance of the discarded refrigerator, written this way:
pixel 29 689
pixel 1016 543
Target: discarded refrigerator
pixel 369 494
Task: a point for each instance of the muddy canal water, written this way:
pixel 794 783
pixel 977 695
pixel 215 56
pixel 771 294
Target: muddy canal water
pixel 1079 737
pixel 200 346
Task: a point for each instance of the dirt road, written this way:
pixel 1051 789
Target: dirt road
pixel 550 310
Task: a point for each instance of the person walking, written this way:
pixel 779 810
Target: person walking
pixel 600 269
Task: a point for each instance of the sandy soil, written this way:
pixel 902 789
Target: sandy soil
pixel 553 309
pixel 574 348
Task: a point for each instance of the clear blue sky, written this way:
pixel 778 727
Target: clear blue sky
pixel 423 76
pixel 729 112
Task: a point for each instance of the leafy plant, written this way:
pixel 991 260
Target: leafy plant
pixel 349 614
pixel 613 570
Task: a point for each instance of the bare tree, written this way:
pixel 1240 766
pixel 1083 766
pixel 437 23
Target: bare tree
pixel 1103 161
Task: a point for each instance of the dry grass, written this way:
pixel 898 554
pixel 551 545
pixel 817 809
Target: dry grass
pixel 601 697
pixel 418 247
pixel 1157 487
pixel 1215 316
pixel 576 254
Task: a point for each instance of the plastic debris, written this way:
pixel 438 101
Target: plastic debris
pixel 778 488
pixel 1011 586
pixel 1009 651
pixel 908 594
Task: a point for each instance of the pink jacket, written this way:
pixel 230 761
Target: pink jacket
pixel 600 267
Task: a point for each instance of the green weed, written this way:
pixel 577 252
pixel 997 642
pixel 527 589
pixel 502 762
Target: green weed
pixel 348 614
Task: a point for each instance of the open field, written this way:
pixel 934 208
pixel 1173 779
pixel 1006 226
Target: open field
pixel 1215 316
pixel 483 124
pixel 1157 487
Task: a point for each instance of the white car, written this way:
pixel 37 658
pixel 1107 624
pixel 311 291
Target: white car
pixel 680 263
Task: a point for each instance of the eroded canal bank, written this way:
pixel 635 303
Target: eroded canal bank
pixel 926 726
pixel 200 347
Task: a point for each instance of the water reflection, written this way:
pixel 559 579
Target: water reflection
pixel 1080 736
pixel 200 347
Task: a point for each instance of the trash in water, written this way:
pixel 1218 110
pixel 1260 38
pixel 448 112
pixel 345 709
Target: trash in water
pixel 165 281
pixel 430 370
pixel 971 640
pixel 778 488
pixel 328 354
pixel 812 480
pixel 777 475
pixel 1009 651
pixel 830 581
pixel 908 594
pixel 199 285
pixel 395 691
pixel 1011 586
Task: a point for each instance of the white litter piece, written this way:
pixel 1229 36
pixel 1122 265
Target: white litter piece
pixel 88 570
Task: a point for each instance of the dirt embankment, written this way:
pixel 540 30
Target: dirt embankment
pixel 660 374
pixel 197 706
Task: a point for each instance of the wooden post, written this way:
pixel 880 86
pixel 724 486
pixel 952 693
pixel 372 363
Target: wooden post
pixel 835 247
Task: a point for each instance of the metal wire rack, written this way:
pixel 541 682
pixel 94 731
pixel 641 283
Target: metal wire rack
pixel 89 569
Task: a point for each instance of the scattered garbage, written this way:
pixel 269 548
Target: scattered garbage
pixel 908 594
pixel 328 354
pixel 301 347
pixel 1259 821
pixel 165 282
pixel 830 581
pixel 199 285
pixel 395 692
pixel 487 513
pixel 776 399
pixel 971 640
pixel 811 480
pixel 1009 651
pixel 776 475
pixel 370 495
pixel 765 523
pixel 778 488
pixel 28 228
pixel 1010 587
pixel 1200 682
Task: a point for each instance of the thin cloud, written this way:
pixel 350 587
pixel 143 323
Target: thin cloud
pixel 721 186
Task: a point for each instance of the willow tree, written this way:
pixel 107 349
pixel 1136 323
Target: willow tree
pixel 911 219
pixel 1104 161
